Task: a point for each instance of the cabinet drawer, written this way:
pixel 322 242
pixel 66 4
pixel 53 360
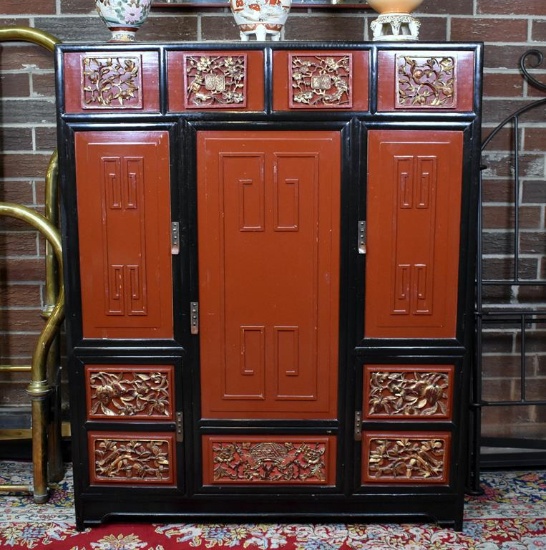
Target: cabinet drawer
pixel 408 392
pixel 269 460
pixel 425 80
pixel 320 80
pixel 129 392
pixel 110 81
pixel 216 80
pixel 406 458
pixel 131 458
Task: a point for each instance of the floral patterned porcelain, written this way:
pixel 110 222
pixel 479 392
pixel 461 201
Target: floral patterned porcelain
pixel 123 17
pixel 260 17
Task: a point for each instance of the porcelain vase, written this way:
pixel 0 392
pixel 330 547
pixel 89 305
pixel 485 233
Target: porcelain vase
pixel 260 18
pixel 123 17
pixel 394 21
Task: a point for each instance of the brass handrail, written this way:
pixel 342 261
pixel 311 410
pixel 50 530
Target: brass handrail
pixel 46 355
pixel 39 387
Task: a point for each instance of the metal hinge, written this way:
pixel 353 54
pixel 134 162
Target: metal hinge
pixel 362 237
pixel 175 238
pixel 179 427
pixel 194 317
pixel 358 426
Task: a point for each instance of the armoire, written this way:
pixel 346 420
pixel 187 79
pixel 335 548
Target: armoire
pixel 269 265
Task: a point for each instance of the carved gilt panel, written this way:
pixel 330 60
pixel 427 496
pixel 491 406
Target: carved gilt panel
pixel 136 458
pixel 406 458
pixel 408 392
pixel 321 81
pixel 111 82
pixel 425 82
pixel 256 460
pixel 129 392
pixel 215 81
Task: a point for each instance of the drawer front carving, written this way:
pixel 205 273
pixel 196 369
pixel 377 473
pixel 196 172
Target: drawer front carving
pixel 106 81
pixel 269 460
pixel 406 458
pixel 409 392
pixel 136 459
pixel 425 80
pixel 129 392
pixel 216 80
pixel 321 80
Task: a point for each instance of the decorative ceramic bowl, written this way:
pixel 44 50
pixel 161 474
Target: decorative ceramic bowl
pixel 394 6
pixel 123 17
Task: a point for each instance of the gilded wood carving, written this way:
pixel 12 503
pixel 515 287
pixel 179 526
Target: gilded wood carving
pixel 215 81
pixel 423 82
pixel 321 81
pixel 269 462
pixel 130 393
pixel 111 82
pixel 409 393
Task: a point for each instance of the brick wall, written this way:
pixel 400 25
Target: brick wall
pixel 27 138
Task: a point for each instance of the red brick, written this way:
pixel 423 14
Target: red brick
pixel 26 320
pixel 17 244
pixel 502 85
pixel 489 29
pixel 509 7
pixel 503 217
pixel 46 138
pixel 16 139
pixel 19 55
pixel 23 270
pixel 17 191
pixel 43 85
pixel 24 165
pixel 15 85
pixel 16 7
pixel 538 30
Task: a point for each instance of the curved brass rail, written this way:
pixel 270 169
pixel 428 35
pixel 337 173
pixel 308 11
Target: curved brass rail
pixel 39 388
pixel 29 34
pixel 46 356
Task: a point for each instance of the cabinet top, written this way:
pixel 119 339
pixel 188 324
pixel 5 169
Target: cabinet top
pixel 269 77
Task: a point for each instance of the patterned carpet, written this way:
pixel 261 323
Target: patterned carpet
pixel 511 515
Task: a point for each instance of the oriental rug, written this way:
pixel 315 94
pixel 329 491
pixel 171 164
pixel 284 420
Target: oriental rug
pixel 510 515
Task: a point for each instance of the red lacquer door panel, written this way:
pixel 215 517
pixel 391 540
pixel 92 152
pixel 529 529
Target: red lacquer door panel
pixel 413 224
pixel 268 209
pixel 124 233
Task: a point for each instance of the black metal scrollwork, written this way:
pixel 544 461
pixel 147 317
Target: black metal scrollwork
pixel 532 59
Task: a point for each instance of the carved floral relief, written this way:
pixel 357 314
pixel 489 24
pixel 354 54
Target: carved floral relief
pixel 130 393
pixel 321 81
pixel 215 81
pixel 111 82
pixel 407 393
pixel 131 459
pixel 413 459
pixel 425 82
pixel 292 462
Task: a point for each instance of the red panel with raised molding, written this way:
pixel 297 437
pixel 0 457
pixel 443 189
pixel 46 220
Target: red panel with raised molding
pixel 124 224
pixel 268 224
pixel 414 182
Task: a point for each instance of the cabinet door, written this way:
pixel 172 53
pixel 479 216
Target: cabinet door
pixel 268 208
pixel 413 223
pixel 124 215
